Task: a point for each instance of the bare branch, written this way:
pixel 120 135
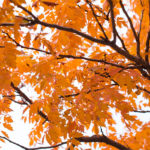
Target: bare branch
pixel 94 138
pixel 14 143
pixel 142 111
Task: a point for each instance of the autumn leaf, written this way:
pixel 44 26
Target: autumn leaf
pixel 5 134
pixel 8 126
pixel 75 71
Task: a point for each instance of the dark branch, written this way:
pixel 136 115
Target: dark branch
pixel 132 28
pixel 30 48
pixel 64 56
pixel 95 138
pixel 95 16
pixel 147 41
pixel 122 42
pixel 142 111
pixel 140 24
pixel 147 48
pixel 103 139
pixel 25 97
pixel 90 59
pixel 143 89
pixel 21 103
pixel 76 94
pixel 22 24
pixel 14 143
pixel 112 20
pixel 23 8
pixel 137 60
pixel 21 93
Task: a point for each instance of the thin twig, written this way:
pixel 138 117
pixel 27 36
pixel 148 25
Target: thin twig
pixel 21 146
pixel 140 24
pixel 122 42
pixel 142 111
pixel 28 100
pixel 21 103
pixel 95 16
pixel 143 89
pixel 95 138
pixel 23 8
pixel 30 48
pixel 132 28
pixel 64 56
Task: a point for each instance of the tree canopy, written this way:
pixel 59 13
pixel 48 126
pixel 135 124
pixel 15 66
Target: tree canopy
pixel 87 62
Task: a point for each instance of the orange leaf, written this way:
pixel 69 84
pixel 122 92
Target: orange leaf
pixel 5 134
pixel 8 126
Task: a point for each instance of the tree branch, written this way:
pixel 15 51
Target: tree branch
pixel 14 143
pixel 126 54
pixel 65 56
pixel 103 139
pixel 28 100
pixel 21 103
pixel 90 59
pixel 147 48
pixel 122 42
pixel 21 93
pixel 142 111
pixel 95 138
pixel 95 16
pixel 23 8
pixel 30 48
pixel 147 41
pixel 112 20
pixel 140 24
pixel 132 28
pixel 143 89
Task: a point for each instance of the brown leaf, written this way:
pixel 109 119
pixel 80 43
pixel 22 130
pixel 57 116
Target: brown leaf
pixel 49 3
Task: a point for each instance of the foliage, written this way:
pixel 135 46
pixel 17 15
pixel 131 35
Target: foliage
pixel 87 61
